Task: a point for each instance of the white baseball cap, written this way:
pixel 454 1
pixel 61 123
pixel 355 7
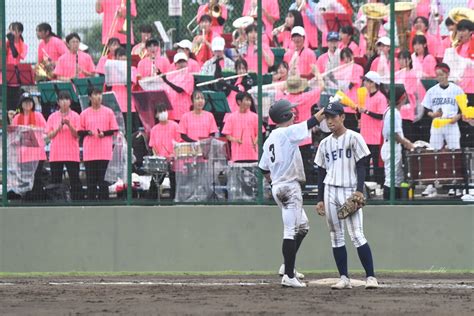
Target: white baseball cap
pixel 384 40
pixel 180 56
pixel 374 77
pixel 218 43
pixel 299 30
pixel 184 44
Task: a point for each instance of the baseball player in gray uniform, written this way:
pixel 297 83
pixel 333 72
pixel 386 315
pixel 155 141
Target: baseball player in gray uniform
pixel 341 159
pixel 282 165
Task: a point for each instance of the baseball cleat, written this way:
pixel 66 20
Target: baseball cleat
pixel 344 283
pixel 281 272
pixel 371 283
pixel 291 282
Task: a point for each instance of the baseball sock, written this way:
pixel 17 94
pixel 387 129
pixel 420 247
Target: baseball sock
pixel 289 255
pixel 365 256
pixel 299 239
pixel 340 255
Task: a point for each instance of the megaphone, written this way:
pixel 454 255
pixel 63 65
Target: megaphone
pixel 361 96
pixel 467 111
pixel 441 122
pixel 345 100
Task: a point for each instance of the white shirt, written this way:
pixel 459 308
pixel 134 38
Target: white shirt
pixel 339 156
pixel 445 99
pixel 386 124
pixel 281 155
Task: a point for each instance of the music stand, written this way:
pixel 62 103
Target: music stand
pixel 202 78
pixel 216 103
pixel 49 95
pixel 266 78
pixel 361 61
pixel 20 75
pixel 429 83
pixel 146 102
pixel 49 91
pixel 27 136
pixel 335 21
pixel 84 84
pixel 279 53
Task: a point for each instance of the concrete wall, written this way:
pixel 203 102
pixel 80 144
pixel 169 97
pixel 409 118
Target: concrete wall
pixel 204 238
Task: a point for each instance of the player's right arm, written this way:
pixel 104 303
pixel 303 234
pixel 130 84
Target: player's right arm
pixel 264 165
pixel 298 132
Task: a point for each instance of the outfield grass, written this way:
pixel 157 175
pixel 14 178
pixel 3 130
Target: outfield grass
pixel 210 273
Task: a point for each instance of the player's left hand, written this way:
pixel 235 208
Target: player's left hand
pixel 320 208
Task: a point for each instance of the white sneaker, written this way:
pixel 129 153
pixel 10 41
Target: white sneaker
pixel 281 272
pixel 293 282
pixel 428 190
pixel 451 192
pixel 458 192
pixel 344 283
pixel 371 283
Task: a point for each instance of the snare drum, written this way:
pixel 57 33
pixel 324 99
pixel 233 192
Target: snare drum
pixel 442 167
pixel 155 164
pixel 184 150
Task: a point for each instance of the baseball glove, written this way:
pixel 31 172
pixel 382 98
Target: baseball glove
pixel 352 205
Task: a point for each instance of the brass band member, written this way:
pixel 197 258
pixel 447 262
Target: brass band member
pixel 202 42
pixel 114 20
pixel 145 34
pixel 217 11
pixel 75 63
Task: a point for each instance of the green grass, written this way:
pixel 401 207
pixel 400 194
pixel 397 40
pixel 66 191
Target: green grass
pixel 208 273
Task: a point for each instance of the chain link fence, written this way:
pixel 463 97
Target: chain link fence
pixel 101 123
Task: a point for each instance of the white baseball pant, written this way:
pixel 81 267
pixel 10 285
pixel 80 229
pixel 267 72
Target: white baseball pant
pixel 289 198
pixel 334 198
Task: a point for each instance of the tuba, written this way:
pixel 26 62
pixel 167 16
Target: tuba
pixel 402 19
pixel 458 14
pixel 374 12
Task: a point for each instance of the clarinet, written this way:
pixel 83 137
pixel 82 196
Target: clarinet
pixel 77 64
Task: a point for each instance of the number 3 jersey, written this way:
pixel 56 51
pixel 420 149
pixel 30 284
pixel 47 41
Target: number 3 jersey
pixel 281 155
pixel 339 156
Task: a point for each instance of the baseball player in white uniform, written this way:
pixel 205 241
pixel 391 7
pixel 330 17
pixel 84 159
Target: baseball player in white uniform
pixel 440 101
pixel 341 159
pixel 282 165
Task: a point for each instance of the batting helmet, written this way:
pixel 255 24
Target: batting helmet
pixel 280 111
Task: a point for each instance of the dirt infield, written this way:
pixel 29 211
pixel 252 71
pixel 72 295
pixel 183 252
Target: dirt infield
pixel 421 294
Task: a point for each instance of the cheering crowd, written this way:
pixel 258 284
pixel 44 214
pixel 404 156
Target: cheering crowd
pixel 310 57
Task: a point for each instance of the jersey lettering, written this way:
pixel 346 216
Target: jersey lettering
pixel 337 154
pixel 272 150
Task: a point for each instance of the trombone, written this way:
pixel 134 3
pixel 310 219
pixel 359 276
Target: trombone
pixel 113 25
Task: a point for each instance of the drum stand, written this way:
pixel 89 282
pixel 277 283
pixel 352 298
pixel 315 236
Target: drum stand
pixel 158 177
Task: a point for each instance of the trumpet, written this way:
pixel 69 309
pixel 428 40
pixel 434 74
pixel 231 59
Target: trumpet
pixel 197 48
